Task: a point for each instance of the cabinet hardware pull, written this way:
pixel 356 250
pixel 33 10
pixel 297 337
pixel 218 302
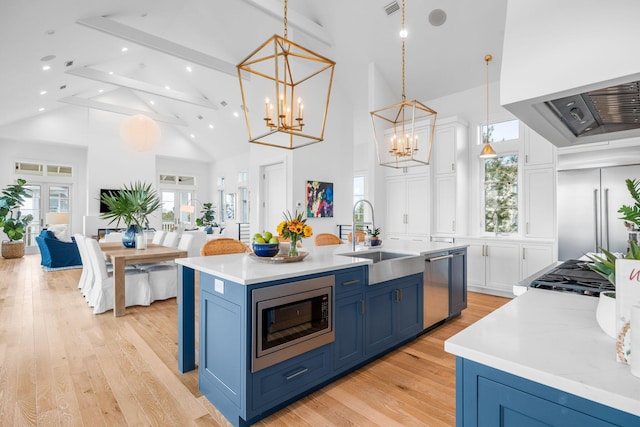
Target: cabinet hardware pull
pixel 400 292
pixel 362 306
pixel 439 258
pixel 523 252
pixel 526 158
pixel 295 374
pixel 453 166
pixel 395 295
pixel 350 282
pixel 453 225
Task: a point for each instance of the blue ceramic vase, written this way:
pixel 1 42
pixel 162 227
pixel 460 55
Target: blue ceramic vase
pixel 129 238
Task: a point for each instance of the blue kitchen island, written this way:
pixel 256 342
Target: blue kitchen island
pixel 542 359
pixel 241 368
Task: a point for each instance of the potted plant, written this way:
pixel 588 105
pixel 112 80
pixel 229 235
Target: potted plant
pixel 375 239
pixel 11 220
pixel 132 205
pixel 208 218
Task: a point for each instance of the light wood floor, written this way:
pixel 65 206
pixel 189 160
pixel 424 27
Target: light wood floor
pixel 62 365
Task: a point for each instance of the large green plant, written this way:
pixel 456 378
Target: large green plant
pixel 131 204
pixel 11 220
pixel 208 218
pixel 606 266
pixel 632 213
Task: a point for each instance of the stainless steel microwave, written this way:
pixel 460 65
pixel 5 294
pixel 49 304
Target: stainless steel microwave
pixel 291 319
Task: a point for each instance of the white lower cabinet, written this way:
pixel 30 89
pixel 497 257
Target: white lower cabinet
pixel 535 257
pixel 494 265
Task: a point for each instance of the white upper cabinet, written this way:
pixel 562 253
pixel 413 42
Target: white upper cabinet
pixel 537 150
pixel 408 207
pixel 539 203
pixel 444 149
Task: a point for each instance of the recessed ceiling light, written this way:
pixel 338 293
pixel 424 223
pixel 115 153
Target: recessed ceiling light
pixel 100 90
pixel 167 87
pixel 41 109
pixel 46 67
pixel 111 73
pixel 152 102
pixel 43 92
pixel 210 126
pixel 124 49
pixel 235 114
pixel 189 69
pixel 192 136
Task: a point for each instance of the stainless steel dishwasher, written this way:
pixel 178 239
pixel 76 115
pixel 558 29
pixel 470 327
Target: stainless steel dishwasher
pixel 436 288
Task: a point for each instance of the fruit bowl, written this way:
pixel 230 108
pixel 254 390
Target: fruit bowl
pixel 266 249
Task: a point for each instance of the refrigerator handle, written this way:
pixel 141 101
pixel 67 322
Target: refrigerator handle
pixel 595 215
pixel 605 220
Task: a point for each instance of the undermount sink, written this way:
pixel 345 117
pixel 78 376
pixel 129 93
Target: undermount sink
pixel 390 265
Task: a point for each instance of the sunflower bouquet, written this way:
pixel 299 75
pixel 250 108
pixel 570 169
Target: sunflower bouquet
pixel 294 228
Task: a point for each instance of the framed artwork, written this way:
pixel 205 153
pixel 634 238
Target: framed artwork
pixel 319 199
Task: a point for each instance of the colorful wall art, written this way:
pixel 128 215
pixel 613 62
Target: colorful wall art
pixel 319 199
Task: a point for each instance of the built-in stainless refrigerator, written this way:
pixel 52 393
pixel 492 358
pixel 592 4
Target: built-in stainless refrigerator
pixel 588 203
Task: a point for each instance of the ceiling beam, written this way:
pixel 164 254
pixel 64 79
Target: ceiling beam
pixel 116 80
pixel 112 108
pixel 142 38
pixel 294 19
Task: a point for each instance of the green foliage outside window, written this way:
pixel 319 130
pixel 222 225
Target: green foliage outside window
pixel 501 194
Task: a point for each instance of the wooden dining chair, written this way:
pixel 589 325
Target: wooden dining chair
pixel 359 236
pixel 224 245
pixel 324 239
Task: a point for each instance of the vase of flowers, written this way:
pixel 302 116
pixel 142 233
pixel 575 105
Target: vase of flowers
pixel 294 228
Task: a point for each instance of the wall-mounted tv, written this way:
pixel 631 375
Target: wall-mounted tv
pixel 103 207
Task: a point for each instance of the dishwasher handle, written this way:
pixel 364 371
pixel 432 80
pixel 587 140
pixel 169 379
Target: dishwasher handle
pixel 439 258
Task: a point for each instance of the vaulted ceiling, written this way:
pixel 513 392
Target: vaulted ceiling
pixel 82 42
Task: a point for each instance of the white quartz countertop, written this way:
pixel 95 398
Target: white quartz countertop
pixel 552 338
pixel 246 270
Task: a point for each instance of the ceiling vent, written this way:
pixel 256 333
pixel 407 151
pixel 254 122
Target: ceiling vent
pixel 391 8
pixel 68 63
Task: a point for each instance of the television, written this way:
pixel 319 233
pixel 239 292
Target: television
pixel 103 207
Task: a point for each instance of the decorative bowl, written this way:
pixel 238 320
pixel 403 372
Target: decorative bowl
pixel 266 249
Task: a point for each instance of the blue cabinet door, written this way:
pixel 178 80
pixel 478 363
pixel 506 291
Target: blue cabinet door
pixel 379 329
pixel 486 396
pixel 348 344
pixel 408 307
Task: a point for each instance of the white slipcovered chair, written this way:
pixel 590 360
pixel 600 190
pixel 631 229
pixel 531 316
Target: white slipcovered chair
pixel 136 284
pixel 199 239
pixel 163 276
pixel 158 237
pixel 87 277
pixel 171 239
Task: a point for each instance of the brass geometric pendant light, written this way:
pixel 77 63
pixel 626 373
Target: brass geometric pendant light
pixel 285 93
pixel 396 128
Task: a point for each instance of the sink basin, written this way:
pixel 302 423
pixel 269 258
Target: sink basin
pixel 390 265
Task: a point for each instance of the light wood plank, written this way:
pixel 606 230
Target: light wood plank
pixel 62 365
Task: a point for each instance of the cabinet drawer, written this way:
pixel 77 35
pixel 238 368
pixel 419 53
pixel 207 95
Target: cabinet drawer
pixel 287 379
pixel 350 281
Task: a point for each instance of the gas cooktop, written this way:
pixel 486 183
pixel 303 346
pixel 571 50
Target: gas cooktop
pixel 573 276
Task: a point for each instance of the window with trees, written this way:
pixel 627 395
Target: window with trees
pixel 501 194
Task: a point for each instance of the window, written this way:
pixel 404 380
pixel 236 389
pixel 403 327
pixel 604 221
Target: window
pixel 501 194
pixel 502 131
pixel 359 194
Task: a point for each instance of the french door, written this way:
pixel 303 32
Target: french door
pixel 45 198
pixel 177 209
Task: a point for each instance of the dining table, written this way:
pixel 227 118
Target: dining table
pixel 121 256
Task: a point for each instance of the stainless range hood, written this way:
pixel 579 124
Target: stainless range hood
pixel 568 69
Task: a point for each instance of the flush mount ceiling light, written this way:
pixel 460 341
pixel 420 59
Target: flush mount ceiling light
pixel 140 131
pixel 487 150
pixel 287 98
pixel 396 128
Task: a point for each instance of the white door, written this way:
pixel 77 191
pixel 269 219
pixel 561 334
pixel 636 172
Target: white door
pixel 273 199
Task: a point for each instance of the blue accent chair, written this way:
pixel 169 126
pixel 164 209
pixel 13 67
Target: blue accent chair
pixel 57 253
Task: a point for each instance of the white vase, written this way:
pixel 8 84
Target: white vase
pixel 606 313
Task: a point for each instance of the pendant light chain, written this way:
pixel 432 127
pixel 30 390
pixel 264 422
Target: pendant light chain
pixel 285 19
pixel 487 58
pixel 404 98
